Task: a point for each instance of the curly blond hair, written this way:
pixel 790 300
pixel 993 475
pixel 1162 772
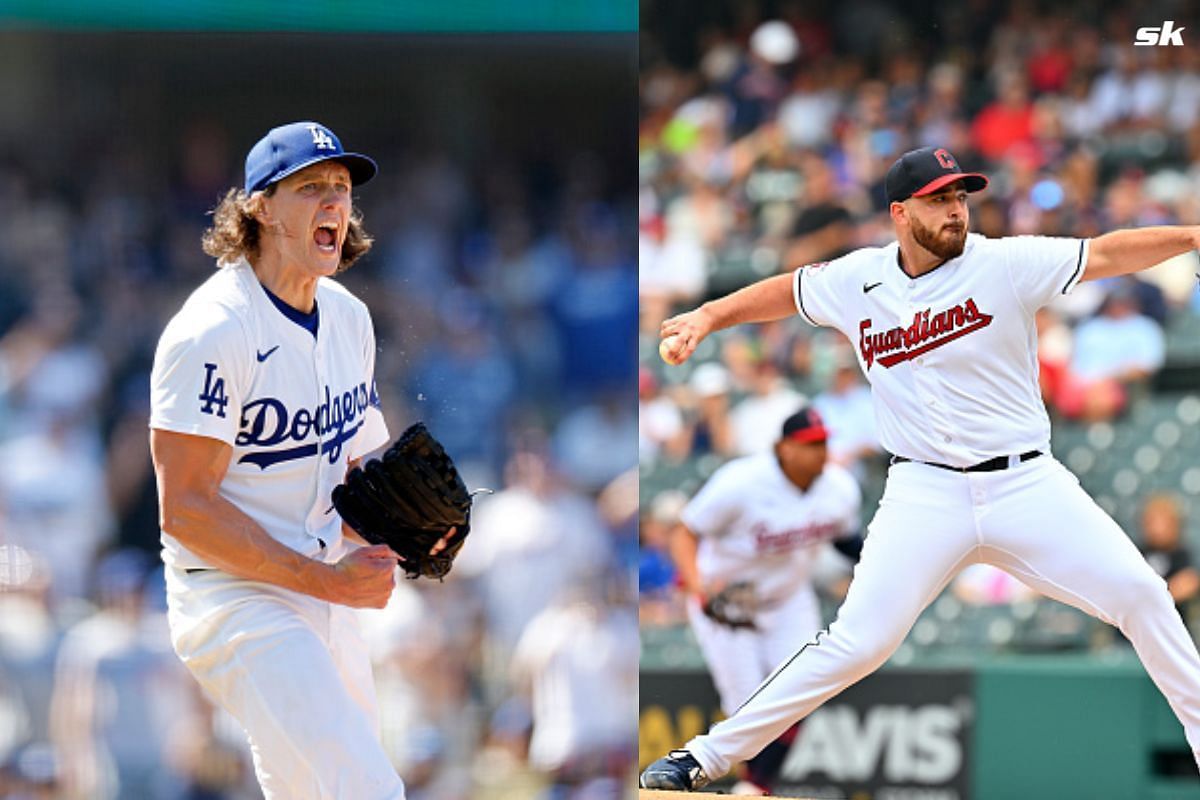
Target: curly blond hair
pixel 236 233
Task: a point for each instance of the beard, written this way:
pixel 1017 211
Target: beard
pixel 946 244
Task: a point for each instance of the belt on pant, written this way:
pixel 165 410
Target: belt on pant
pixel 991 465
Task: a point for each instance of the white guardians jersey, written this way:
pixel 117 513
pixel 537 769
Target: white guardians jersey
pixel 951 355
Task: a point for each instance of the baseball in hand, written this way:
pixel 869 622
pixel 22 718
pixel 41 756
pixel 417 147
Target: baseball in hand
pixel 668 350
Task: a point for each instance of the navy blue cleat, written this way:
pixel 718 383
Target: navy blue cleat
pixel 677 770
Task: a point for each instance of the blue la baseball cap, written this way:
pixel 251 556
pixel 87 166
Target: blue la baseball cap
pixel 290 148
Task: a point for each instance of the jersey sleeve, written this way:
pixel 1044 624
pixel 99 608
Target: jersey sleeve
pixel 1043 267
pixel 715 506
pixel 816 290
pixel 200 375
pixel 374 432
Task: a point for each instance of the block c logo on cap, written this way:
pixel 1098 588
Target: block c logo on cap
pixel 944 158
pixel 321 139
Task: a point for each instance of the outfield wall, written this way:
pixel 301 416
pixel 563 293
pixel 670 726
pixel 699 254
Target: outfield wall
pixel 1063 726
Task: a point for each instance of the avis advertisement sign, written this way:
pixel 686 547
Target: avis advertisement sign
pixel 897 735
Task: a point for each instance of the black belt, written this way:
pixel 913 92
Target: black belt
pixel 991 465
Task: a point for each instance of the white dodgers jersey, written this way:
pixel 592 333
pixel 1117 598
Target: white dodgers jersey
pixel 951 355
pixel 754 524
pixel 295 408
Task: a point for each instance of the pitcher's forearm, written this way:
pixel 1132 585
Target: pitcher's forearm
pixel 226 537
pixel 1132 250
pixel 765 301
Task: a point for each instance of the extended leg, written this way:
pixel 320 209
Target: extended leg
pixel 918 541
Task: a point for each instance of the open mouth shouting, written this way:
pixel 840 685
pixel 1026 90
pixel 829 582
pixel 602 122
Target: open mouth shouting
pixel 326 237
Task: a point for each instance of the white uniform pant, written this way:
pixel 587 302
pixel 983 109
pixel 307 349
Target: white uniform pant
pixel 740 658
pixel 1034 521
pixel 295 672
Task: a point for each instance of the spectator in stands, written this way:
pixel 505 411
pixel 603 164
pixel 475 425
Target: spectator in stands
pixel 740 354
pixel 757 419
pixel 808 114
pixel 711 429
pixel 1054 354
pixel 56 498
pixel 849 415
pixel 422 687
pixel 1167 552
pixel 1112 94
pixel 530 543
pixel 469 361
pixel 940 111
pixel 594 443
pixel 30 637
pixel 1005 122
pixel 658 602
pixel 769 175
pixel 661 430
pixel 823 231
pixel 120 692
pixel 672 261
pixel 1114 353
pixel 758 86
pixel 577 664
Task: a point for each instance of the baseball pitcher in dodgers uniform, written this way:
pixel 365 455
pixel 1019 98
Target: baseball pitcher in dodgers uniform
pixel 943 324
pixel 745 548
pixel 263 396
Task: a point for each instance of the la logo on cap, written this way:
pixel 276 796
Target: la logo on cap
pixel 321 138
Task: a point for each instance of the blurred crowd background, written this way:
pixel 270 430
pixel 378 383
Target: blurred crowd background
pixel 502 286
pixel 766 128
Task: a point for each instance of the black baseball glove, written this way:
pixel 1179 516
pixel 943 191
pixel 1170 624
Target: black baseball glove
pixel 734 606
pixel 409 499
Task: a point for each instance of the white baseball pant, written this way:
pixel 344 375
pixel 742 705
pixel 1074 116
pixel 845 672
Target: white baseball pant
pixel 1033 520
pixel 296 673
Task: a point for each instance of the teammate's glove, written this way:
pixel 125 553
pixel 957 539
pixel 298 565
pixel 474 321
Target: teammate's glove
pixel 409 499
pixel 734 606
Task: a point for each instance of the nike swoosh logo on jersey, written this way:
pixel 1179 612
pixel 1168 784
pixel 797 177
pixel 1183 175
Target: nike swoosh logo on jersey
pixel 264 356
pixel 869 286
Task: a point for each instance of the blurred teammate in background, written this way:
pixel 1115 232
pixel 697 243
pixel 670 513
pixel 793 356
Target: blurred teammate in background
pixel 746 546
